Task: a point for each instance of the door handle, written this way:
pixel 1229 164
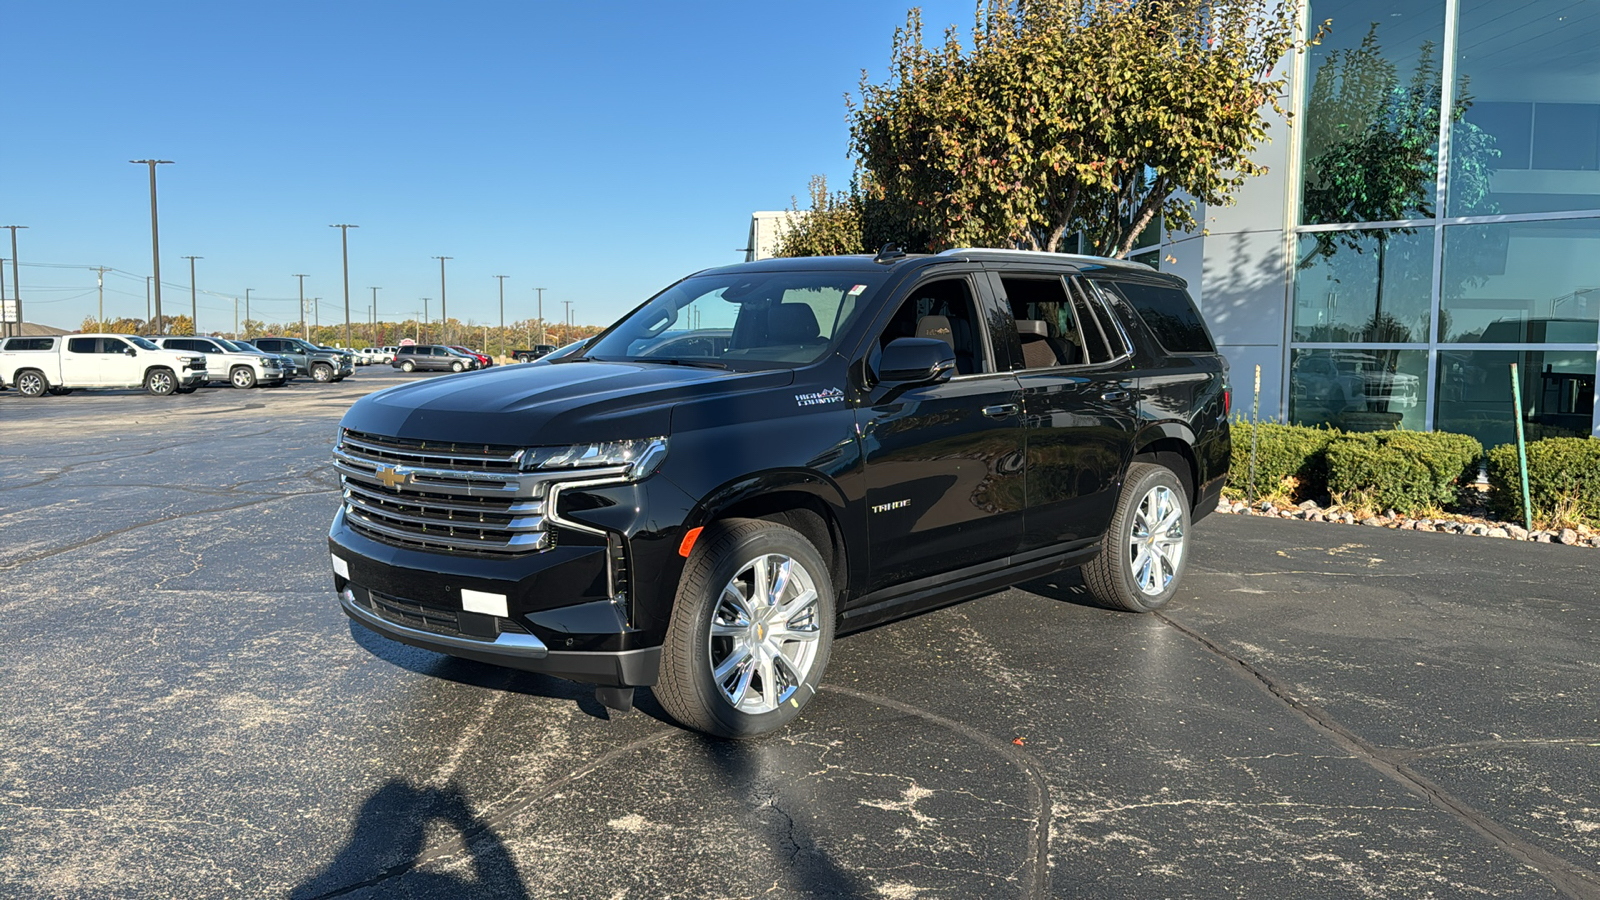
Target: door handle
pixel 1116 396
pixel 1002 410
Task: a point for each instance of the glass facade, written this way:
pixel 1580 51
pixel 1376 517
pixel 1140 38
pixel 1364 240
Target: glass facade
pixel 1423 270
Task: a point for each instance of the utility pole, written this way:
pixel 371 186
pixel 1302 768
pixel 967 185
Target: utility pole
pixel 502 318
pixel 16 292
pixel 541 316
pixel 236 318
pixel 377 339
pixel 304 328
pixel 425 319
pixel 246 309
pixel 344 243
pixel 569 320
pixel 155 233
pixel 5 320
pixel 194 306
pixel 444 311
pixel 100 285
pixel 147 322
pixel 316 312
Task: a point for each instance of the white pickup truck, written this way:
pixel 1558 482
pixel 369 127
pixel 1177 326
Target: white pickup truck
pixel 58 365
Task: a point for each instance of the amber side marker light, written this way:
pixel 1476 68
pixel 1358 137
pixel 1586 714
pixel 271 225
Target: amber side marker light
pixel 687 547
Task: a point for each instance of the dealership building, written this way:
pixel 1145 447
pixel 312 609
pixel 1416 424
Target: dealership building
pixel 1431 217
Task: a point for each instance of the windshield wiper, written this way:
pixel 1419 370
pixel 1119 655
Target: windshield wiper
pixel 674 361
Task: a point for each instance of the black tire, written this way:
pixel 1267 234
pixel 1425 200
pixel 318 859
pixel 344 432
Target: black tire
pixel 160 382
pixel 1149 492
pixel 456 367
pixel 242 377
pixel 32 383
pixel 322 372
pixel 723 555
pixel 407 366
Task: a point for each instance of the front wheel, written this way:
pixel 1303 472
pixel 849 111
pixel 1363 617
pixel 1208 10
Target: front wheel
pixel 1145 551
pixel 751 630
pixel 160 382
pixel 321 373
pixel 243 377
pixel 456 367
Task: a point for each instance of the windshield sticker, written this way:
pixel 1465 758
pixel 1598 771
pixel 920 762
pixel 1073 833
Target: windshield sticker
pixel 819 398
pixel 856 290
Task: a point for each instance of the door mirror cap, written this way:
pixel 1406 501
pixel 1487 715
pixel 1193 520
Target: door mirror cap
pixel 911 360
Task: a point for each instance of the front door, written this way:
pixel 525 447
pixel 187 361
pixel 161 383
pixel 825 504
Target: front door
pixel 943 461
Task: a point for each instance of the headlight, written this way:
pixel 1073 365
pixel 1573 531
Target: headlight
pixel 642 456
pixel 194 360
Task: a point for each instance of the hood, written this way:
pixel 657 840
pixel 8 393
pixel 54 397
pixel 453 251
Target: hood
pixel 559 403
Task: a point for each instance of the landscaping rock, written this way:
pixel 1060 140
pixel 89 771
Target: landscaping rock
pixel 1309 504
pixel 1567 536
pixel 1478 529
pixel 1542 537
pixel 1237 507
pixel 1373 521
pixel 1498 532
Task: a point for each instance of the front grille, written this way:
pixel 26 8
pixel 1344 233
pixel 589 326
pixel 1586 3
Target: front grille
pixel 434 619
pixel 441 496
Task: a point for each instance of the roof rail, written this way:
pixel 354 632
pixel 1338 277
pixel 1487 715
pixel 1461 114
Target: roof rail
pixel 1037 254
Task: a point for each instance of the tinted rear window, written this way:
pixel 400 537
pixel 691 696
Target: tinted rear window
pixel 1170 315
pixel 31 343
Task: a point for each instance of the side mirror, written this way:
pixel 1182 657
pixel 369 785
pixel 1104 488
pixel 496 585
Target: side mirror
pixel 911 361
pixel 131 352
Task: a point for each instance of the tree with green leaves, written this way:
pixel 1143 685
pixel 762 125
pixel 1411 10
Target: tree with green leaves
pixel 832 226
pixel 1071 116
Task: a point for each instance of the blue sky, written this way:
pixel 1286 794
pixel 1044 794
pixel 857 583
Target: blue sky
pixel 598 150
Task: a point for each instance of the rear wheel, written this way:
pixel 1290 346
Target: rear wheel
pixel 242 377
pixel 1145 551
pixel 751 630
pixel 31 384
pixel 160 382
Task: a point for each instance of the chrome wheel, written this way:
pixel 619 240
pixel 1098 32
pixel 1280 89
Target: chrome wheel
pixel 31 384
pixel 243 378
pixel 1156 540
pixel 764 633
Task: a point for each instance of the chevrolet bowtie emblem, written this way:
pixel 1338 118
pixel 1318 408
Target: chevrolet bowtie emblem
pixel 392 476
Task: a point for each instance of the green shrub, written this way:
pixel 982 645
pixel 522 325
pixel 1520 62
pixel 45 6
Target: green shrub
pixel 1451 459
pixel 1291 460
pixel 1366 473
pixel 1563 481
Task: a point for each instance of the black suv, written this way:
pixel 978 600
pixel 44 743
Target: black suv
pixel 874 437
pixel 432 358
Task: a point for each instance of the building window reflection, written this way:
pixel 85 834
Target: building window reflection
pixel 1369 286
pixel 1475 393
pixel 1521 283
pixel 1365 389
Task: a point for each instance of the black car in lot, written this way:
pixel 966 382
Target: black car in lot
pixel 857 439
pixel 432 358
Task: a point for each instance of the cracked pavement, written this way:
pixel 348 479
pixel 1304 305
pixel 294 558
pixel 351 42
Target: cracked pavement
pixel 1324 711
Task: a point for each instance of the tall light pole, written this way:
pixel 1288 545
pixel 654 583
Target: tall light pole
pixel 304 328
pixel 344 243
pixel 569 320
pixel 236 318
pixel 502 317
pixel 541 316
pixel 247 308
pixel 194 305
pixel 377 340
pixel 444 310
pixel 5 320
pixel 147 322
pixel 155 233
pixel 425 319
pixel 316 311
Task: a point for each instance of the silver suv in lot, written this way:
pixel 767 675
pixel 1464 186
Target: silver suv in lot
pixel 226 365
pixel 324 365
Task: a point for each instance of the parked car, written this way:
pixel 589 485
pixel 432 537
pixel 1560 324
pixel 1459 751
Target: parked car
pixel 348 353
pixel 565 351
pixel 376 355
pixel 879 437
pixel 484 361
pixel 63 364
pixel 432 358
pixel 225 365
pixel 290 370
pixel 533 353
pixel 1341 380
pixel 322 364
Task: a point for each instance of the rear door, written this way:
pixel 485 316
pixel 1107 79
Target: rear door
pixel 943 461
pixel 80 362
pixel 1078 383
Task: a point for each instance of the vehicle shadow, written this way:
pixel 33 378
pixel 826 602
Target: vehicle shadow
pixel 388 839
pixel 476 674
pixel 1067 586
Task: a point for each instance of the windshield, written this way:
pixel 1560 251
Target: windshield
pixel 741 319
pixel 140 342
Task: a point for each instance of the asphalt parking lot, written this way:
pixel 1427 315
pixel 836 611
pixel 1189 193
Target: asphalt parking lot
pixel 1325 711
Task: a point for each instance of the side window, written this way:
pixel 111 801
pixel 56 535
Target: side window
pixel 943 310
pixel 1101 337
pixel 112 345
pixel 1046 322
pixel 1170 315
pixel 83 345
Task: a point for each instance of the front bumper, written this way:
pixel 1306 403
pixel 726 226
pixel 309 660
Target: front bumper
pixel 194 377
pixel 548 612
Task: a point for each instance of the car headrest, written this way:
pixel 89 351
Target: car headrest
pixel 1037 327
pixel 792 323
pixel 936 327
